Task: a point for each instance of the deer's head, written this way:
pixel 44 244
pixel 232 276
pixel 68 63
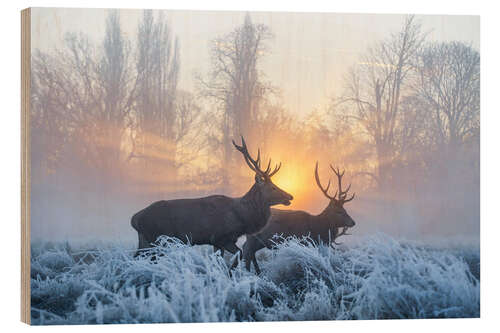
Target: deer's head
pixel 269 192
pixel 335 212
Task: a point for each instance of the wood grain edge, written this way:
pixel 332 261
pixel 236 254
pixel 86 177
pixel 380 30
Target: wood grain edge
pixel 25 164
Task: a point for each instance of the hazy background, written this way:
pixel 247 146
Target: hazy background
pixel 129 107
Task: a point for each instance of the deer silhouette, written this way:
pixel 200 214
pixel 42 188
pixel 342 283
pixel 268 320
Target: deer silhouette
pixel 323 227
pixel 217 220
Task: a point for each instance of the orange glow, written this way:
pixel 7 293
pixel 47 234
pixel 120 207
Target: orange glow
pixel 296 180
pixel 149 174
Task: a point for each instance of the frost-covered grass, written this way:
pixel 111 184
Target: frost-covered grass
pixel 378 278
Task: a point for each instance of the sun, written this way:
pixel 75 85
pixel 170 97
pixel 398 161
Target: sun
pixel 296 181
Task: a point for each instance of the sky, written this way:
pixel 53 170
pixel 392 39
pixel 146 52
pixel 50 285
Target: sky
pixel 308 56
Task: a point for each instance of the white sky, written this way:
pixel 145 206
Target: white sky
pixel 308 57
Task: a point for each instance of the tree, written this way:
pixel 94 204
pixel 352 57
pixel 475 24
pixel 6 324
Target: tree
pixel 449 87
pixel 236 85
pixel 49 121
pixel 81 98
pixel 154 133
pixel 374 90
pixel 115 79
pixel 189 142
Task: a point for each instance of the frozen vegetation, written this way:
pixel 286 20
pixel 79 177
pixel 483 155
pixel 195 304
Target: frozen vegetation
pixel 377 278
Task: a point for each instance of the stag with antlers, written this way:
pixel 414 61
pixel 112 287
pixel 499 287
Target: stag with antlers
pixel 323 227
pixel 217 220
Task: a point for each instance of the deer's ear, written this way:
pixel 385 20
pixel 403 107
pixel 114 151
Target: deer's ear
pixel 258 179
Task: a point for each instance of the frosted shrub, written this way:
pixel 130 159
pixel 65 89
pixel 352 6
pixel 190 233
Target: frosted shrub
pixel 379 278
pixel 405 281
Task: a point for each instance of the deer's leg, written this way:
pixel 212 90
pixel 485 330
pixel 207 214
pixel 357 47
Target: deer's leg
pixel 252 245
pixel 143 244
pixel 248 262
pixel 219 248
pixel 232 248
pixel 255 264
pixel 247 249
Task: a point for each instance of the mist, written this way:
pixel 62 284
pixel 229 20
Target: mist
pixel 119 121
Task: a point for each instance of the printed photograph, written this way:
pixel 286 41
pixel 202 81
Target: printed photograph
pixel 222 166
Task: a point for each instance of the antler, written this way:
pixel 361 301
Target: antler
pixel 276 169
pixel 325 191
pixel 255 164
pixel 342 194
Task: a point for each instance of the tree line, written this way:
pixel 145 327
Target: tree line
pixel 406 122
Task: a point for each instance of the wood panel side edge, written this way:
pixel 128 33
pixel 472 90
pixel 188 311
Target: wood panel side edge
pixel 25 164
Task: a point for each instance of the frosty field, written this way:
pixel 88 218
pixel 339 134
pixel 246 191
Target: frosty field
pixel 377 278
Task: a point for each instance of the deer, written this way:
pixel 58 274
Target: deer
pixel 285 223
pixel 216 220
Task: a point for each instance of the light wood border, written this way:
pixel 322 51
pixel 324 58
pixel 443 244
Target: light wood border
pixel 25 164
